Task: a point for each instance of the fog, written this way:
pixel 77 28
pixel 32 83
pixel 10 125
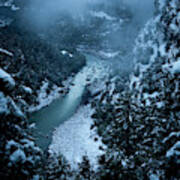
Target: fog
pixel 45 12
pixel 142 9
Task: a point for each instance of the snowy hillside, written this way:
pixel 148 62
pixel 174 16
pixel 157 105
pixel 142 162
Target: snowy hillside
pixel 89 90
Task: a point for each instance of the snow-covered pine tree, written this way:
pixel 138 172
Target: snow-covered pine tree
pixel 20 157
pixel 143 135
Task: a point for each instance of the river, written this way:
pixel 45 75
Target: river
pixel 52 116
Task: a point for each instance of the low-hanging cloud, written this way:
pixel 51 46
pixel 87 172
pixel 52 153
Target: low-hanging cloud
pixel 44 12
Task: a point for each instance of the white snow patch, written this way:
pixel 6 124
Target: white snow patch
pixel 101 14
pixel 108 54
pixel 36 177
pixel 27 89
pixel 74 138
pixel 64 52
pixel 45 99
pixel 174 27
pixel 15 8
pixel 8 3
pixel 153 95
pixel 32 126
pixel 7 78
pixel 176 67
pixel 4 106
pixel 70 55
pixel 6 52
pixel 17 156
pixel 160 104
pixel 16 109
pixel 124 163
pixel 176 134
pixel 28 143
pixel 174 150
pixel 10 144
pixel 97 73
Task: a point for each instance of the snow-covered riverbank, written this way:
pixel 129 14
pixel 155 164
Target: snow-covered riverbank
pixel 74 138
pixel 44 99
